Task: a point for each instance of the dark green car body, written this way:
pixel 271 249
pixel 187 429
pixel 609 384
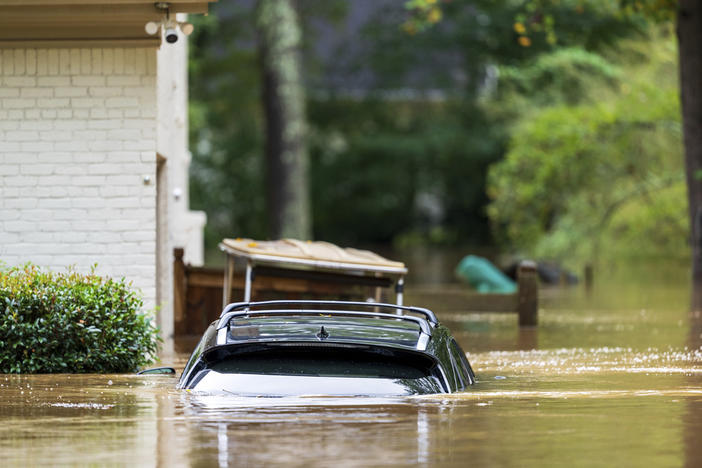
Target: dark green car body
pixel 293 348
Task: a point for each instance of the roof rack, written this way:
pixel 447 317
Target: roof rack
pixel 243 309
pixel 399 309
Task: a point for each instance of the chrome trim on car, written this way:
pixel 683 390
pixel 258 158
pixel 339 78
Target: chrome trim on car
pixel 221 336
pixel 224 320
pixel 428 314
pixel 422 342
pixel 244 309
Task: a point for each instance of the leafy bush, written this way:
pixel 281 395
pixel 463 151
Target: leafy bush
pixel 601 179
pixel 71 322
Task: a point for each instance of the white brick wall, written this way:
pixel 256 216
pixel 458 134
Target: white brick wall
pixel 77 138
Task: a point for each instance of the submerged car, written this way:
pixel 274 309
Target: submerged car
pixel 332 348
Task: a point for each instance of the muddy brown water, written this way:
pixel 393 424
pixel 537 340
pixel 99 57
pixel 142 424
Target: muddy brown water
pixel 611 379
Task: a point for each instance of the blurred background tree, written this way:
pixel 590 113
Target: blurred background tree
pixel 287 187
pixel 603 175
pixel 406 122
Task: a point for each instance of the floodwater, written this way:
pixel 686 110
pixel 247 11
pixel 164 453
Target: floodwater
pixel 608 379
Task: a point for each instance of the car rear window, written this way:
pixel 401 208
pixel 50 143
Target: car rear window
pixel 327 362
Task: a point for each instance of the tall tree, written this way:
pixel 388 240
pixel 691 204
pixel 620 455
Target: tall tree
pixel 279 37
pixel 689 26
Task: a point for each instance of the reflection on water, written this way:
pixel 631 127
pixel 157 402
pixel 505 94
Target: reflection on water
pixel 612 379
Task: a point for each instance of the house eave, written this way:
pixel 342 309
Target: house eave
pixel 89 23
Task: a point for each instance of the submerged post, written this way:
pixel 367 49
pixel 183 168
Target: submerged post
pixel 179 290
pixel 588 278
pixel 527 294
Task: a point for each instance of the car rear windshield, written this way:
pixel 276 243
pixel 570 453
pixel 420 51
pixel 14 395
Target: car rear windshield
pixel 327 362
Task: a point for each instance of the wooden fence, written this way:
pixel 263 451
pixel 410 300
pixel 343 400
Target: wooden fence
pixel 198 292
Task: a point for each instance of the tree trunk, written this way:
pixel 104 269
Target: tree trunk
pixel 287 190
pixel 689 28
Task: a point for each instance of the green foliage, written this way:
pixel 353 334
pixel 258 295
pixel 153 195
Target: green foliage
pixel 582 180
pixel 69 322
pixel 660 10
pixel 227 175
pixel 402 127
pixel 470 42
pixel 226 131
pixel 422 14
pixel 557 77
pixel 380 169
pixel 532 25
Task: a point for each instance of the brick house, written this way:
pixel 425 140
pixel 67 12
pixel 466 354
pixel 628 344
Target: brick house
pixel 93 141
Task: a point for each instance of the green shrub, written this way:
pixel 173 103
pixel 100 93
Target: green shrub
pixel 71 322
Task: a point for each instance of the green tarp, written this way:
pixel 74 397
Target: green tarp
pixel 484 276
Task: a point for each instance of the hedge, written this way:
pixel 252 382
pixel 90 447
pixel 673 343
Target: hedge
pixel 71 322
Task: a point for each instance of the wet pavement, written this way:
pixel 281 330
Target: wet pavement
pixel 608 379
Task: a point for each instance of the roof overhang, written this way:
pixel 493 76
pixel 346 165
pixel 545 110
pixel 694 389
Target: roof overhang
pixel 85 23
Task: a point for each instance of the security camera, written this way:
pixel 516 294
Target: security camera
pixel 168 25
pixel 171 35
